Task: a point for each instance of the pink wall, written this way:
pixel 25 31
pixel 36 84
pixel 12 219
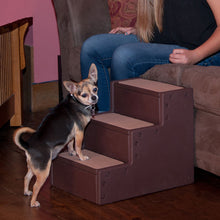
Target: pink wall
pixel 11 10
pixel 43 34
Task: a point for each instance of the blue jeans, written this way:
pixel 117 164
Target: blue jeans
pixel 127 57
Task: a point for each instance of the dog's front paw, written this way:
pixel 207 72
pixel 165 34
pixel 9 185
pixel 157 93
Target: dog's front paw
pixel 35 204
pixel 28 193
pixel 84 158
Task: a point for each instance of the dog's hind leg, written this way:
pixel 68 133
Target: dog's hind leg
pixel 41 176
pixel 27 180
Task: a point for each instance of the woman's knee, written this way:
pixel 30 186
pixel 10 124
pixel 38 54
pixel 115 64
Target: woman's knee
pixel 122 63
pixel 89 46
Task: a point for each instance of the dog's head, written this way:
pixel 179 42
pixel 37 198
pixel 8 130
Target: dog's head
pixel 86 90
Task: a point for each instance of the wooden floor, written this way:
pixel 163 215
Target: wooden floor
pixel 198 201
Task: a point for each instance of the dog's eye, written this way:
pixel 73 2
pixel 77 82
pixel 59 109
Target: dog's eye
pixel 95 90
pixel 84 95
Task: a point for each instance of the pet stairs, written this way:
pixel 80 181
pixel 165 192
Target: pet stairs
pixel 143 145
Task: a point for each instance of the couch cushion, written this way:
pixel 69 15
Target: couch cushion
pixel 166 73
pixel 122 12
pixel 205 82
pixel 207 139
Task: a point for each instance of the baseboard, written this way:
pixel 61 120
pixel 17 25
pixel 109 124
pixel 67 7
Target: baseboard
pixel 44 96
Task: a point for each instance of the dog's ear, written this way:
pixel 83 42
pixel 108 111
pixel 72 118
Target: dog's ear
pixel 71 87
pixel 93 73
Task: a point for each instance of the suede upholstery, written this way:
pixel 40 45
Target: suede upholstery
pixel 205 82
pixel 79 19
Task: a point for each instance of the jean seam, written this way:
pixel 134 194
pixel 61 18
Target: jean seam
pixel 107 58
pixel 106 78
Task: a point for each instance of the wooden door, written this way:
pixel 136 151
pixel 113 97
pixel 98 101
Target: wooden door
pixel 11 63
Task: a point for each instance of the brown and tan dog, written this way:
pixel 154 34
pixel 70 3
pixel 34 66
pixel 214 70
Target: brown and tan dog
pixel 64 124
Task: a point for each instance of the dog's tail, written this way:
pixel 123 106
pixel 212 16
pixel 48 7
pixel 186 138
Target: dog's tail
pixel 18 137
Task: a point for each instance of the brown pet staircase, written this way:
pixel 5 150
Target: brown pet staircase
pixel 144 145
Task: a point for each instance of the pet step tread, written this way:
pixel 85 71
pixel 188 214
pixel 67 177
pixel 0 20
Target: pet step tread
pixel 95 161
pixel 122 121
pixel 150 85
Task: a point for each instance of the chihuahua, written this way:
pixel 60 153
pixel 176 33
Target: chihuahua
pixel 61 127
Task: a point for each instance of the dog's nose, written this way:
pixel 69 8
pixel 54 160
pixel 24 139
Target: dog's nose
pixel 94 97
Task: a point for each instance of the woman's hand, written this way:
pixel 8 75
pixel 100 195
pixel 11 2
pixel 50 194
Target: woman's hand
pixel 123 30
pixel 183 56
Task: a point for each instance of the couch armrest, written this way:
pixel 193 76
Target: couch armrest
pixel 205 82
pixel 77 20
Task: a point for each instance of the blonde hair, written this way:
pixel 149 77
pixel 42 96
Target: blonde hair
pixel 149 15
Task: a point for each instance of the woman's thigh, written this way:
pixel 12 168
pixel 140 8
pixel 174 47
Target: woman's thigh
pixel 100 47
pixel 213 60
pixel 134 59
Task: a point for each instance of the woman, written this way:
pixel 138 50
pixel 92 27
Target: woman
pixel 186 32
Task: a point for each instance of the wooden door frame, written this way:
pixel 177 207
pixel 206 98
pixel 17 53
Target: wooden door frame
pixel 11 103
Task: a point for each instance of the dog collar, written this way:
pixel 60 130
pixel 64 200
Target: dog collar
pixel 91 108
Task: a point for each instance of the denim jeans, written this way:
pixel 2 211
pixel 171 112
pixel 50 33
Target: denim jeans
pixel 127 57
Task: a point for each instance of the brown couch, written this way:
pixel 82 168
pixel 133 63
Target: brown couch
pixel 79 19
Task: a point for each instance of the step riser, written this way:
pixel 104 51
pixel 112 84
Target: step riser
pixel 91 186
pixel 71 179
pixel 137 105
pixel 109 142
